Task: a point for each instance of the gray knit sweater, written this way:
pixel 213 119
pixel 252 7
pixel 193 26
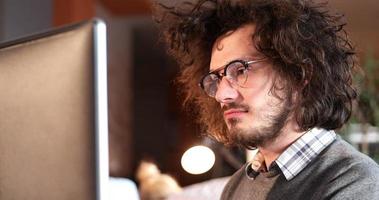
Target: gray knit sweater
pixel 338 172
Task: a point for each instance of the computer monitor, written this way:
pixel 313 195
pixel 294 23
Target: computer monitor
pixel 53 115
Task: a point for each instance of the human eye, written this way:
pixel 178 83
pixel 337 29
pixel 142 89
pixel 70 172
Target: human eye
pixel 236 69
pixel 240 70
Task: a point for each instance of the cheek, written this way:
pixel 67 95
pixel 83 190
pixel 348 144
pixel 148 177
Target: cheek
pixel 258 93
pixel 256 98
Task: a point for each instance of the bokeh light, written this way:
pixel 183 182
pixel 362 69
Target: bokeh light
pixel 198 160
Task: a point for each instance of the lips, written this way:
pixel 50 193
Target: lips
pixel 233 113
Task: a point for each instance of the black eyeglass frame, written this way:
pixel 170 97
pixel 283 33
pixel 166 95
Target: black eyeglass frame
pixel 225 67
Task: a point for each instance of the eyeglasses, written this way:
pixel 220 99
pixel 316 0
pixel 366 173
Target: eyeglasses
pixel 237 72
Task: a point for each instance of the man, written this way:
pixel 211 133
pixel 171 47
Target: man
pixel 274 75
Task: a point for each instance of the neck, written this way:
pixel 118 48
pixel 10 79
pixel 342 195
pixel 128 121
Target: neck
pixel 271 150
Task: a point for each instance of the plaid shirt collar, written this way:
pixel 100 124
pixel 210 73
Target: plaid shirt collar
pixel 297 156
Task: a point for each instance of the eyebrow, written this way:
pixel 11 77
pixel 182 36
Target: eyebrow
pixel 219 68
pixel 230 61
pixel 244 58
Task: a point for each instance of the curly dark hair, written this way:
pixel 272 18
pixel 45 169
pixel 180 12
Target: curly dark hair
pixel 307 44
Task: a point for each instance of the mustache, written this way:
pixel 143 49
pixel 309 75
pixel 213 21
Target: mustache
pixel 235 106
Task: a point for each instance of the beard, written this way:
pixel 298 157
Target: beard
pixel 253 137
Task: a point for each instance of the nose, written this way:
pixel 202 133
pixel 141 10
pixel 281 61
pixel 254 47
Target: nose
pixel 226 93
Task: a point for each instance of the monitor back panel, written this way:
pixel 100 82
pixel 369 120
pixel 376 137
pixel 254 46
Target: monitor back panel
pixel 47 145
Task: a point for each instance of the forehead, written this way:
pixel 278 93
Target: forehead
pixel 237 44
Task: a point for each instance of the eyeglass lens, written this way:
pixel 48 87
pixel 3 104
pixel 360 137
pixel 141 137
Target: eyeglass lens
pixel 235 72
